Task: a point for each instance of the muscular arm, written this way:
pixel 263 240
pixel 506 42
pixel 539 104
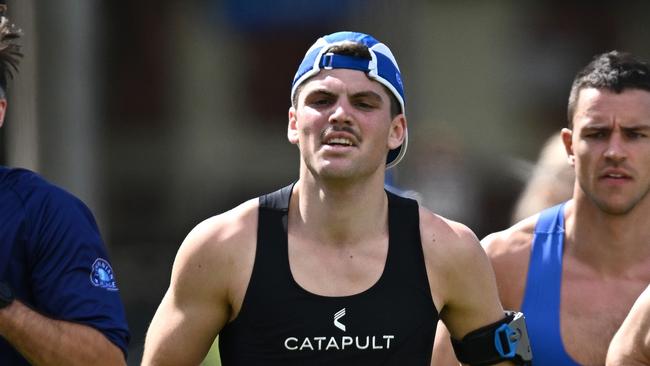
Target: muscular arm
pixel 464 285
pixel 443 353
pixel 45 341
pixel 199 301
pixel 631 343
pixel 191 313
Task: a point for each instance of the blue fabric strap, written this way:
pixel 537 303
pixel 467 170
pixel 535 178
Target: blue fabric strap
pixel 541 302
pixel 335 61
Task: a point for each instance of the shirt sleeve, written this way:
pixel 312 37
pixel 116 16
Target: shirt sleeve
pixel 71 274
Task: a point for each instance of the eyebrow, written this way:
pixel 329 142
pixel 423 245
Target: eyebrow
pixel 608 128
pixel 637 127
pixel 362 94
pixel 320 91
pixel 368 94
pixel 601 127
pixel 644 129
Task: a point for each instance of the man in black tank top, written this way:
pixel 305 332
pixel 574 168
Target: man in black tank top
pixel 333 269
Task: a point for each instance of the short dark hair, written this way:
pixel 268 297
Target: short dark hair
pixel 614 71
pixel 358 50
pixel 9 49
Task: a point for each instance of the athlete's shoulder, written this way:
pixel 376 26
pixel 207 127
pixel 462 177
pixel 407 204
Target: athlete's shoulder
pixel 11 177
pixel 440 232
pixel 223 233
pixel 47 208
pixel 35 192
pixel 448 246
pixel 25 183
pixel 216 252
pixel 515 240
pixel 509 253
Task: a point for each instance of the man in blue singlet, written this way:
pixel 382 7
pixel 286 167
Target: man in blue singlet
pixel 576 269
pixel 59 303
pixel 333 269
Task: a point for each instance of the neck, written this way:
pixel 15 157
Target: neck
pixel 339 213
pixel 609 243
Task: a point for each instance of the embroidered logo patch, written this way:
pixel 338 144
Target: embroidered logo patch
pixel 101 275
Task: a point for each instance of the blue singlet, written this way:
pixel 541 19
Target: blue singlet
pixel 542 297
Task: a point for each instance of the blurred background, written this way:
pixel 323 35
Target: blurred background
pixel 159 114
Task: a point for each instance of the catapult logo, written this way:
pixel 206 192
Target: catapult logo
pixel 339 343
pixel 339 314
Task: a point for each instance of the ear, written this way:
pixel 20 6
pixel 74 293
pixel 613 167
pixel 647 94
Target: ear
pixel 3 110
pixel 292 128
pixel 567 140
pixel 397 132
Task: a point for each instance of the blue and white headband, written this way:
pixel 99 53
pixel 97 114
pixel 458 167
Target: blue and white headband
pixel 382 68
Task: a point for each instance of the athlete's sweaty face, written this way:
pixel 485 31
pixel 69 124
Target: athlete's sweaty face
pixel 342 125
pixel 610 148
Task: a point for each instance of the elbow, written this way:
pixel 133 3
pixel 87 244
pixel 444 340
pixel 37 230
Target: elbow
pixel 108 354
pixel 114 357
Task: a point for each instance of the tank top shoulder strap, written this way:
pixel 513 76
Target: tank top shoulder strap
pixel 545 266
pixel 271 270
pixel 405 262
pixel 551 220
pixel 541 303
pixel 403 212
pixel 278 200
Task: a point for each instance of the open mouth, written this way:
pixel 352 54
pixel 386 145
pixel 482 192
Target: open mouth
pixel 339 141
pixel 615 177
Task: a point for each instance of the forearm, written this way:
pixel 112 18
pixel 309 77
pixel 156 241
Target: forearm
pixel 42 340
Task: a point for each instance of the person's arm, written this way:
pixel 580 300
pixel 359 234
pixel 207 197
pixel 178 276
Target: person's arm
pixel 443 353
pixel 198 303
pixel 67 309
pixel 462 277
pixel 45 341
pixel 631 343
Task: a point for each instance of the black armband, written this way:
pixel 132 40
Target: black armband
pixel 505 340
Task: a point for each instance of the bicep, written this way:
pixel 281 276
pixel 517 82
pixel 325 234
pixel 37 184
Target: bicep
pixel 472 295
pixel 180 333
pixel 443 352
pixel 193 310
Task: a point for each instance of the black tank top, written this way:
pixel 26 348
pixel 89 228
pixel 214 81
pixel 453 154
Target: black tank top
pixel 280 323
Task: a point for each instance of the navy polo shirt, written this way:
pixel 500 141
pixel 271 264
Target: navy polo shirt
pixel 53 257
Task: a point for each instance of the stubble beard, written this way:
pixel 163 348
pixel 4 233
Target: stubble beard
pixel 616 209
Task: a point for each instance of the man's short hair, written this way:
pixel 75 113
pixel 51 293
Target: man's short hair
pixel 615 71
pixel 9 49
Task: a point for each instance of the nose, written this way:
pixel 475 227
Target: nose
pixel 615 149
pixel 341 113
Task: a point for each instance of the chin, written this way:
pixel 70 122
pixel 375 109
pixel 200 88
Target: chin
pixel 343 172
pixel 616 208
pixel 336 173
pixel 342 169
